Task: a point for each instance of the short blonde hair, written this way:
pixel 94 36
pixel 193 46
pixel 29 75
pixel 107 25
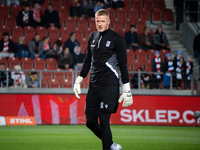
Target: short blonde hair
pixel 102 12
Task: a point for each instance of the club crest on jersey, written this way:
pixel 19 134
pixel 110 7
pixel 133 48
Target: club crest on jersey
pixel 108 43
pixel 101 105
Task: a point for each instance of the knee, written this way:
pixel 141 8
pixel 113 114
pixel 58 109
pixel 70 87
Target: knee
pixel 90 123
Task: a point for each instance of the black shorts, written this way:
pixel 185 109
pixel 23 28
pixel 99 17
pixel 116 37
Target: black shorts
pixel 102 99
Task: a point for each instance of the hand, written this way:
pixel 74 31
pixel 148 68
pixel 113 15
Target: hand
pixel 39 20
pixel 148 43
pixel 134 44
pixel 52 24
pixel 77 86
pixel 36 55
pixel 126 96
pixel 147 78
pixel 162 44
pixel 168 46
pixel 33 86
pixel 66 66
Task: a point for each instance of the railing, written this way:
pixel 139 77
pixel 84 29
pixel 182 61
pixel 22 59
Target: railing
pixel 186 12
pixel 74 74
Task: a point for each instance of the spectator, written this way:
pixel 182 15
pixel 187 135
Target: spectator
pixel 75 9
pixel 33 80
pixel 51 17
pixel 36 47
pixel 18 77
pixel 47 48
pixel 97 6
pixel 3 76
pixel 188 70
pixel 179 69
pixel 196 47
pixel 178 6
pixel 37 14
pixel 117 4
pixel 25 17
pixel 7 47
pixel 71 42
pixel 78 58
pixel 145 39
pixel 21 48
pixel 88 7
pixel 57 48
pixel 144 80
pixel 160 39
pixel 167 69
pixel 156 66
pixel 14 2
pixel 65 59
pixel 131 38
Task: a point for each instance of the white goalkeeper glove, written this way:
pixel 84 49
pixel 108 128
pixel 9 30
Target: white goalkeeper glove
pixel 77 86
pixel 126 96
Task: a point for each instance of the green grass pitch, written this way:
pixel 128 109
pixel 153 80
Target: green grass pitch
pixel 78 137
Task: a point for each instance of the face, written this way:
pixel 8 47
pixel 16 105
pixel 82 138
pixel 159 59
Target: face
pixel 73 37
pixel 21 39
pixel 26 8
pixel 34 75
pixel 188 58
pixel 36 6
pixel 78 49
pixel 46 40
pixel 66 51
pixel 179 55
pixel 37 38
pixel 147 30
pixel 132 29
pixel 169 58
pixel 157 55
pixel 50 7
pixel 102 23
pixel 6 37
pixel 159 29
pixel 2 67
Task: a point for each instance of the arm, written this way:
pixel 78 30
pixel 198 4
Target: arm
pixel 31 47
pixel 40 49
pixel 165 39
pixel 155 39
pixel 122 58
pixel 127 38
pixel 136 38
pixel 87 61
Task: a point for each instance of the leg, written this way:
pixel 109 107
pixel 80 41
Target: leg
pixel 105 130
pixel 42 56
pixel 93 125
pixel 32 56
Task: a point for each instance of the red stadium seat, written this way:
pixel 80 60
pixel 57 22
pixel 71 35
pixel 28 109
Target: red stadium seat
pixel 16 34
pixel 59 75
pixel 71 26
pixel 137 6
pixel 145 16
pixel 48 75
pixel 26 63
pixel 42 31
pixel 83 48
pixel 10 23
pixel 65 83
pixel 148 68
pixel 4 13
pixel 156 18
pixel 148 6
pixel 51 63
pixel 4 61
pixel 133 16
pixel 53 83
pixel 39 63
pixel 82 26
pixel 160 5
pixel 168 16
pixel 13 61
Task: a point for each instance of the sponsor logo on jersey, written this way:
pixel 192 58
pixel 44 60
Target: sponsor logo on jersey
pixel 106 106
pixel 108 43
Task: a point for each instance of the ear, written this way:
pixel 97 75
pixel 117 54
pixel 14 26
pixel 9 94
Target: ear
pixel 109 22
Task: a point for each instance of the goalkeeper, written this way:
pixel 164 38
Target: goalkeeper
pixel 106 50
